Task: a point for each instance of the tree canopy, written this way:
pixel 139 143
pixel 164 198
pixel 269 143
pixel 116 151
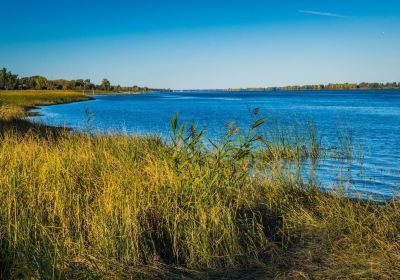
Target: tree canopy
pixel 10 81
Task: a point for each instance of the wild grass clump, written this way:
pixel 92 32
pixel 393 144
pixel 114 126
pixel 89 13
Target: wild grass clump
pixel 116 206
pixel 345 149
pixel 9 112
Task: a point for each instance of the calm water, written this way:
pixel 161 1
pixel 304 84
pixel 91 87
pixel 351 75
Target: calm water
pixel 372 118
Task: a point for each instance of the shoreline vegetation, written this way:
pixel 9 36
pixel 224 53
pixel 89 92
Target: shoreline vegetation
pixel 330 86
pixel 318 87
pixel 10 82
pixel 77 205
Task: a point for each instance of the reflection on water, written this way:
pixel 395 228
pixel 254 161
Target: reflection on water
pixel 358 130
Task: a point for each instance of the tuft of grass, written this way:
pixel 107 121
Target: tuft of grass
pixel 9 112
pixel 345 149
pixel 315 142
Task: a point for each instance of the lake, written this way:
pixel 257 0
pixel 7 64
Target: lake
pixel 372 118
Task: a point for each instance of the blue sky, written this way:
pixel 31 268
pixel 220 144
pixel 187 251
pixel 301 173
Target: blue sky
pixel 203 43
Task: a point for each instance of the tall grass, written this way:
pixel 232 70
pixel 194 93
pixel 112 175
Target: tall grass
pixel 80 205
pixel 15 105
pixel 29 98
pixel 116 206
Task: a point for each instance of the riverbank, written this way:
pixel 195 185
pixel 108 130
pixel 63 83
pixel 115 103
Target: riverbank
pixel 27 99
pixel 75 205
pixel 15 106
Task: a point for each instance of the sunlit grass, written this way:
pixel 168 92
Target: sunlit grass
pixel 29 98
pixel 80 205
pixel 14 106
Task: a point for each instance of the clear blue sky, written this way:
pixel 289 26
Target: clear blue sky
pixel 203 43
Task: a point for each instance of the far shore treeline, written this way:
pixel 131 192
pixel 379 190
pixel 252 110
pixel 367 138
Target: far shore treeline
pixel 341 86
pixel 330 86
pixel 10 81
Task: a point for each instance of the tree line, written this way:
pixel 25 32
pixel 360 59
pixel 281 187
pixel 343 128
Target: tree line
pixel 333 86
pixel 10 81
pixel 345 86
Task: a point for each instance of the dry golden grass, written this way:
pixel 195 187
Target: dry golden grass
pixel 117 205
pixel 79 206
pixel 14 106
pixel 29 98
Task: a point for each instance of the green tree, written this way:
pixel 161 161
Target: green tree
pixel 105 85
pixel 3 73
pixel 40 82
pixel 86 84
pixel 7 79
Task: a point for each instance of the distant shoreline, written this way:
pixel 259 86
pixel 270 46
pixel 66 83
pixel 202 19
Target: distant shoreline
pixel 281 90
pixel 38 106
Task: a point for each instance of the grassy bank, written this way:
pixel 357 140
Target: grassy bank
pixel 29 98
pixel 81 206
pixel 15 105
